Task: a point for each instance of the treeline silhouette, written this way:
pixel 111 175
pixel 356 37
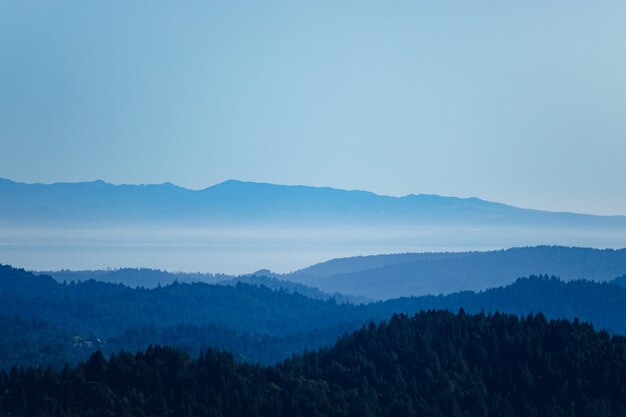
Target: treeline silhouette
pixel 435 363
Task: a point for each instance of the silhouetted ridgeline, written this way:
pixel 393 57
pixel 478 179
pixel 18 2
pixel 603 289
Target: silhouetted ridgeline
pixel 135 277
pixel 294 287
pixel 240 203
pixel 444 273
pixel 58 322
pixel 152 278
pixel 435 364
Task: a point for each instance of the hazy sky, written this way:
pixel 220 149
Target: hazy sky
pixel 522 102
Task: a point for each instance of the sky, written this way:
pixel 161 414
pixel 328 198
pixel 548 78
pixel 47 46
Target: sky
pixel 522 102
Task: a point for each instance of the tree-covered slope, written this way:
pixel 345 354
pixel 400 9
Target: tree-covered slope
pixel 434 363
pixel 38 343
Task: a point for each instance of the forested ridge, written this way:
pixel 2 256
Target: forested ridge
pixel 46 322
pixel 152 278
pixel 435 363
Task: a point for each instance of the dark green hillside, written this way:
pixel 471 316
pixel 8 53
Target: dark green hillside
pixel 31 343
pixel 108 309
pixel 434 364
pixel 253 348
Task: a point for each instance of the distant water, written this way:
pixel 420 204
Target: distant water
pixel 236 251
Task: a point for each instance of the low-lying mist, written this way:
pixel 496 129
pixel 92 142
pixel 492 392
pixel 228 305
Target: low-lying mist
pixel 244 250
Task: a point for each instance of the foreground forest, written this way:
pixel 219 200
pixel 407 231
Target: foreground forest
pixel 48 323
pixel 435 363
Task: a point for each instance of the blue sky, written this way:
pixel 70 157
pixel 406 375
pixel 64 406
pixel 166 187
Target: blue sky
pixel 522 102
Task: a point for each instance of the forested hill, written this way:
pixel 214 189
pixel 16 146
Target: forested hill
pixel 444 273
pixel 435 364
pixel 47 322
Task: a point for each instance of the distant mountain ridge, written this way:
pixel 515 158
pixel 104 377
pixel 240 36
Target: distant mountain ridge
pixel 243 203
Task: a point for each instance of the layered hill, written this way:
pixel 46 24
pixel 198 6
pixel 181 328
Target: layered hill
pixel 365 278
pixel 49 322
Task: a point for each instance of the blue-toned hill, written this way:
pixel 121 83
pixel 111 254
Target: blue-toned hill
pixel 398 275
